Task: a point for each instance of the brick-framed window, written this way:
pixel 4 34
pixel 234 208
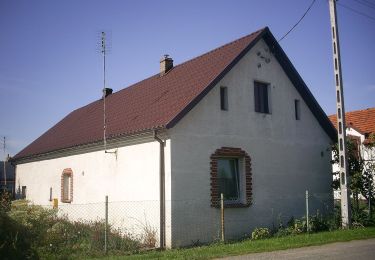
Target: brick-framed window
pixel 231 175
pixel 67 186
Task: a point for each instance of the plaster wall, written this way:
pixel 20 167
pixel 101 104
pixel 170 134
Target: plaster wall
pixel 288 156
pixel 131 181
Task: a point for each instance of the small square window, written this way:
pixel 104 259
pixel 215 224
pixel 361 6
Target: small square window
pixel 224 98
pixel 261 97
pixel 297 109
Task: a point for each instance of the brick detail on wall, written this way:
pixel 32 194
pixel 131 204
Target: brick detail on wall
pixel 67 172
pixel 232 153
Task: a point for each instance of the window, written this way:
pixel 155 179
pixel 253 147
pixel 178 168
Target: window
pixel 224 98
pixel 231 175
pixel 23 192
pixel 67 186
pixel 229 179
pixel 297 109
pixel 261 97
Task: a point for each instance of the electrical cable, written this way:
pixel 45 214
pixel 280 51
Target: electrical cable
pixel 294 26
pixel 355 11
pixel 365 4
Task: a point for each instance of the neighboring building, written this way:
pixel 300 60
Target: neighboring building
pixel 360 126
pixel 9 182
pixel 237 120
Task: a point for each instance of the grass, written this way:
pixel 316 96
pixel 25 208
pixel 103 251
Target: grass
pixel 257 246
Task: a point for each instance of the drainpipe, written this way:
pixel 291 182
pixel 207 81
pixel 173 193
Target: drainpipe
pixel 162 190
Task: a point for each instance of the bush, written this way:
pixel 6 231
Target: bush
pixel 260 233
pixel 56 236
pixel 15 240
pixel 5 200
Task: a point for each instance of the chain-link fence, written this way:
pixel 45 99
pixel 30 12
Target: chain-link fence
pixel 135 225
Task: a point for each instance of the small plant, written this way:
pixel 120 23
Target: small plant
pixel 260 233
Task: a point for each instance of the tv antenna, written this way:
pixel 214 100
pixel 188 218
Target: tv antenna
pixel 106 91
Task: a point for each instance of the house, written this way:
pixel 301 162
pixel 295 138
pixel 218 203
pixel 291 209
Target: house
pixel 360 129
pixel 7 179
pixel 237 120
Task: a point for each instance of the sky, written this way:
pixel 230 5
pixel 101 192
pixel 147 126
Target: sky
pixel 50 64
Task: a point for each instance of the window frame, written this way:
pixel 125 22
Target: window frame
pixel 262 98
pixel 244 175
pixel 67 173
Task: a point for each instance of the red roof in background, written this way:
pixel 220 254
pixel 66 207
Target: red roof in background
pixel 152 103
pixel 363 120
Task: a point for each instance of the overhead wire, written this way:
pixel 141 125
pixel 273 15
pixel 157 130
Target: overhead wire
pixel 356 11
pixel 365 4
pixel 294 26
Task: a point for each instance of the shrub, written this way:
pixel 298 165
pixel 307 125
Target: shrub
pixel 15 240
pixel 260 233
pixel 5 200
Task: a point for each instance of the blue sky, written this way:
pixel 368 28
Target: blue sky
pixel 49 63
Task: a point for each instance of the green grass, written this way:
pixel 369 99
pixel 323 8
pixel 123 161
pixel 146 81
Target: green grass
pixel 248 246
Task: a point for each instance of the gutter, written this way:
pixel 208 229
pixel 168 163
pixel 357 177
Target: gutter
pixel 162 190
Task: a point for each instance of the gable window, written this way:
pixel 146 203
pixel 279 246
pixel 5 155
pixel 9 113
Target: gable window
pixel 261 97
pixel 297 109
pixel 67 186
pixel 231 176
pixel 224 98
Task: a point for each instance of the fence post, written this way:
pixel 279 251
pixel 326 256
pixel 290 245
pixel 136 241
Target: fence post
pixel 307 211
pixel 222 217
pixel 106 226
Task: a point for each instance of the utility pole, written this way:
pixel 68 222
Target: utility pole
pixel 341 125
pixel 5 168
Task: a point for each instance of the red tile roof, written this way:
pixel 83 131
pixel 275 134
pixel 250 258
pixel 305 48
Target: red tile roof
pixel 363 120
pixel 161 101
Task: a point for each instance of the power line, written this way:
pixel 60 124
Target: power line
pixel 357 12
pixel 366 4
pixel 303 16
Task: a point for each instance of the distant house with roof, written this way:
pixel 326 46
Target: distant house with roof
pixel 7 179
pixel 238 121
pixel 360 129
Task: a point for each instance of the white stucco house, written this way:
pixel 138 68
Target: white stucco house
pixel 360 128
pixel 238 120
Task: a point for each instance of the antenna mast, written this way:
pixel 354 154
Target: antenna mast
pixel 5 169
pixel 341 125
pixel 104 92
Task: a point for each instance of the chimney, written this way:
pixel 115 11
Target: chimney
pixel 107 92
pixel 166 64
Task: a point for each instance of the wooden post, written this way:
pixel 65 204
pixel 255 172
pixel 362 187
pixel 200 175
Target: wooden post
pixel 307 211
pixel 106 226
pixel 222 217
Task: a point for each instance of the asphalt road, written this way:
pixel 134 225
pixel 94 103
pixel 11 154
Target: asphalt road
pixel 357 250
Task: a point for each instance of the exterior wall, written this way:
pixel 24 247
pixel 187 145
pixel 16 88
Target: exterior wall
pixel 288 156
pixel 131 181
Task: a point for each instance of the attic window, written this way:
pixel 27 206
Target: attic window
pixel 261 97
pixel 224 98
pixel 67 186
pixel 297 109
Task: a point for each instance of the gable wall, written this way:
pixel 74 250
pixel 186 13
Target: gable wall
pixel 287 156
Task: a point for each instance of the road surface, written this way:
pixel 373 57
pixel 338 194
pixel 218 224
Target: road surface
pixel 357 250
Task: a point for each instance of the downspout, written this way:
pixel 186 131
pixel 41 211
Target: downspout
pixel 162 190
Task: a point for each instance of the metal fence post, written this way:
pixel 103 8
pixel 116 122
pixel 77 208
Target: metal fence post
pixel 222 217
pixel 307 211
pixel 106 226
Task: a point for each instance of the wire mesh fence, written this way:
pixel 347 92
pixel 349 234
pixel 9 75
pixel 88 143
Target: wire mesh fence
pixel 135 225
